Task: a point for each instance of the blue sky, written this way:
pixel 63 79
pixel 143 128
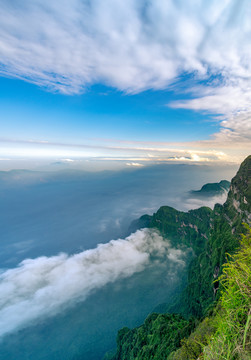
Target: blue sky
pixel 124 84
pixel 101 112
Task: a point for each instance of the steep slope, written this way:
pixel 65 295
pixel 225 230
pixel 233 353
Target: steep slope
pixel 158 336
pixel 226 333
pixel 211 234
pixel 225 236
pixel 180 228
pixel 233 330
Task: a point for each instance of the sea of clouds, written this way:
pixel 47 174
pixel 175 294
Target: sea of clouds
pixel 45 286
pixel 194 202
pixel 55 273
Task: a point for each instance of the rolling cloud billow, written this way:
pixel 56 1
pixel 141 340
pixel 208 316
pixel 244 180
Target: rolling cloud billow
pixel 45 286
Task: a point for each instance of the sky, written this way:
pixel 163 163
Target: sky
pixel 103 85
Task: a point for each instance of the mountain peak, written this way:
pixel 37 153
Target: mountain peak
pixel 239 197
pixel 212 189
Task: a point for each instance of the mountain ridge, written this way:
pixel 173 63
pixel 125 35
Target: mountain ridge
pixel 212 189
pixel 212 234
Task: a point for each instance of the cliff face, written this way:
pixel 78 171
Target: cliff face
pixel 189 229
pixel 224 238
pixel 212 235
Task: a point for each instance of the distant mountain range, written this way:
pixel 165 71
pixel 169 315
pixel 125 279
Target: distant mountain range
pixel 212 189
pixel 212 234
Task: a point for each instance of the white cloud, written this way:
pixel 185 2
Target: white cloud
pixel 232 103
pixel 46 285
pixel 138 45
pixel 236 129
pixel 134 164
pixel 230 145
pixel 210 201
pixel 130 45
pixel 134 154
pixel 220 100
pixel 68 160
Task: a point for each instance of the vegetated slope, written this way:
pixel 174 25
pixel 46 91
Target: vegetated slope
pixel 156 338
pixel 212 189
pixel 229 322
pixel 224 238
pixel 233 335
pixel 190 229
pixel 212 234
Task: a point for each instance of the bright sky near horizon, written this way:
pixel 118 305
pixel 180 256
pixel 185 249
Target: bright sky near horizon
pixel 105 84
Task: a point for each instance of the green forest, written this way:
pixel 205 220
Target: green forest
pixel 211 318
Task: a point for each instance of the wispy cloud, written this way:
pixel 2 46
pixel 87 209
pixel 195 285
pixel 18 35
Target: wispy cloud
pixel 130 45
pixel 131 153
pixel 134 46
pixel 134 164
pixel 232 106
